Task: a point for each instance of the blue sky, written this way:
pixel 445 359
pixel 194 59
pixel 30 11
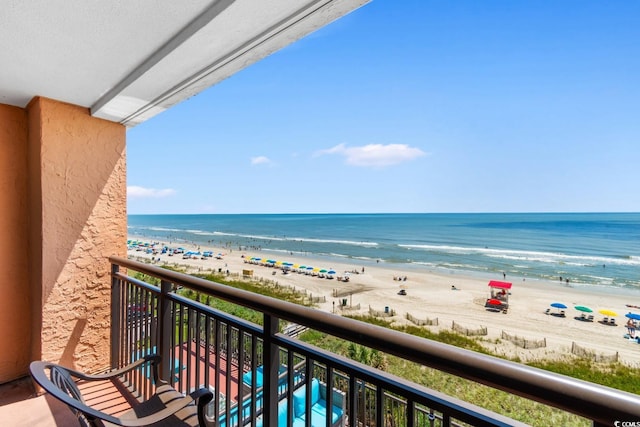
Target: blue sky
pixel 413 106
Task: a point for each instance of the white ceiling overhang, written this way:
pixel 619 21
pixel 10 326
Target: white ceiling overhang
pixel 129 60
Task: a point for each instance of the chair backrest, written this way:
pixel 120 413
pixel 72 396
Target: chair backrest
pixel 61 379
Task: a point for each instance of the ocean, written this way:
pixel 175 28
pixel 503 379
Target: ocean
pixel 590 249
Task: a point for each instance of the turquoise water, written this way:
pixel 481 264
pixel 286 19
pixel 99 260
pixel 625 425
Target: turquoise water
pixel 600 249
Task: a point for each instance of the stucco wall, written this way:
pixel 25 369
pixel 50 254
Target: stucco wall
pixel 77 196
pixel 14 285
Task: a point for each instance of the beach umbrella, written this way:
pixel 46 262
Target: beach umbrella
pixel 322 271
pixel 634 316
pixel 609 313
pixel 558 305
pixel 583 309
pixel 331 272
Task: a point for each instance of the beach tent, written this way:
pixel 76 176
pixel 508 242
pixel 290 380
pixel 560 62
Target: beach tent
pixel 500 291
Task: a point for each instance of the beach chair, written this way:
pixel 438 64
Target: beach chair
pixel 590 318
pixel 547 311
pixel 562 313
pixel 605 320
pixel 167 406
pixel 612 321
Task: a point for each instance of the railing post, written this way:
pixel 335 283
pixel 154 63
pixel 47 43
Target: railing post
pixel 116 303
pixel 165 329
pixel 271 370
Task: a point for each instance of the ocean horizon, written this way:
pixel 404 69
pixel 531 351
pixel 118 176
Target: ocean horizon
pixel 580 249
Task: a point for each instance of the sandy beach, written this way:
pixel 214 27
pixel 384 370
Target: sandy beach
pixel 430 296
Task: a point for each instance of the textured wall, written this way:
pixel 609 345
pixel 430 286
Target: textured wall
pixel 77 194
pixel 14 286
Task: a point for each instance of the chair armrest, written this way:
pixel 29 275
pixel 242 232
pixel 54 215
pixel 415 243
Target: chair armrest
pixel 153 358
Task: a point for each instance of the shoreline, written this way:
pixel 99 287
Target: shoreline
pixel 430 295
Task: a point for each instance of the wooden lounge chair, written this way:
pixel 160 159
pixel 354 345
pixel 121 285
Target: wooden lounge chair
pixel 167 406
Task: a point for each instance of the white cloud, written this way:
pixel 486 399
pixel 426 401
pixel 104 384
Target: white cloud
pixel 145 193
pixel 376 155
pixel 260 160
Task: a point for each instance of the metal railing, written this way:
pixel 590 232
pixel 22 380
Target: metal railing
pixel 202 346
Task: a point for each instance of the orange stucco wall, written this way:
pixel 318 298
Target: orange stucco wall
pixel 62 214
pixel 77 193
pixel 14 285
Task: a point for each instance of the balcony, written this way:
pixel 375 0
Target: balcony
pixel 262 376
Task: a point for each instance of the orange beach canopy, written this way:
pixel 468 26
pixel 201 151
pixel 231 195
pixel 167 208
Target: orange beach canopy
pixel 500 285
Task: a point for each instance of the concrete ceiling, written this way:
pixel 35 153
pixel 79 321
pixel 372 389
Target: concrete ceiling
pixel 128 60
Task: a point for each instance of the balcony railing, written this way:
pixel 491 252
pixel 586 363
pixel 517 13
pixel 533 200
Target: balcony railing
pixel 264 377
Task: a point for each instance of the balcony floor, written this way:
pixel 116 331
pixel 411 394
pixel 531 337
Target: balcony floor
pixel 19 406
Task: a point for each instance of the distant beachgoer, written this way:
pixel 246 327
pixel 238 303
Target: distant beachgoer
pixel 504 275
pixel 453 288
pixel 631 328
pixel 362 270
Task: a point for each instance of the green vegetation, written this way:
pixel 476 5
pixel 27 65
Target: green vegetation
pixel 614 375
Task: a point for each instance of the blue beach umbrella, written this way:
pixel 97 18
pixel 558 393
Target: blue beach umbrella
pixel 558 305
pixel 331 272
pixel 634 316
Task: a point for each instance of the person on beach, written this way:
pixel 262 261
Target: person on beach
pixel 631 328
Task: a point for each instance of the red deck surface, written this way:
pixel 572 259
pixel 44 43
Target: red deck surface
pixel 201 362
